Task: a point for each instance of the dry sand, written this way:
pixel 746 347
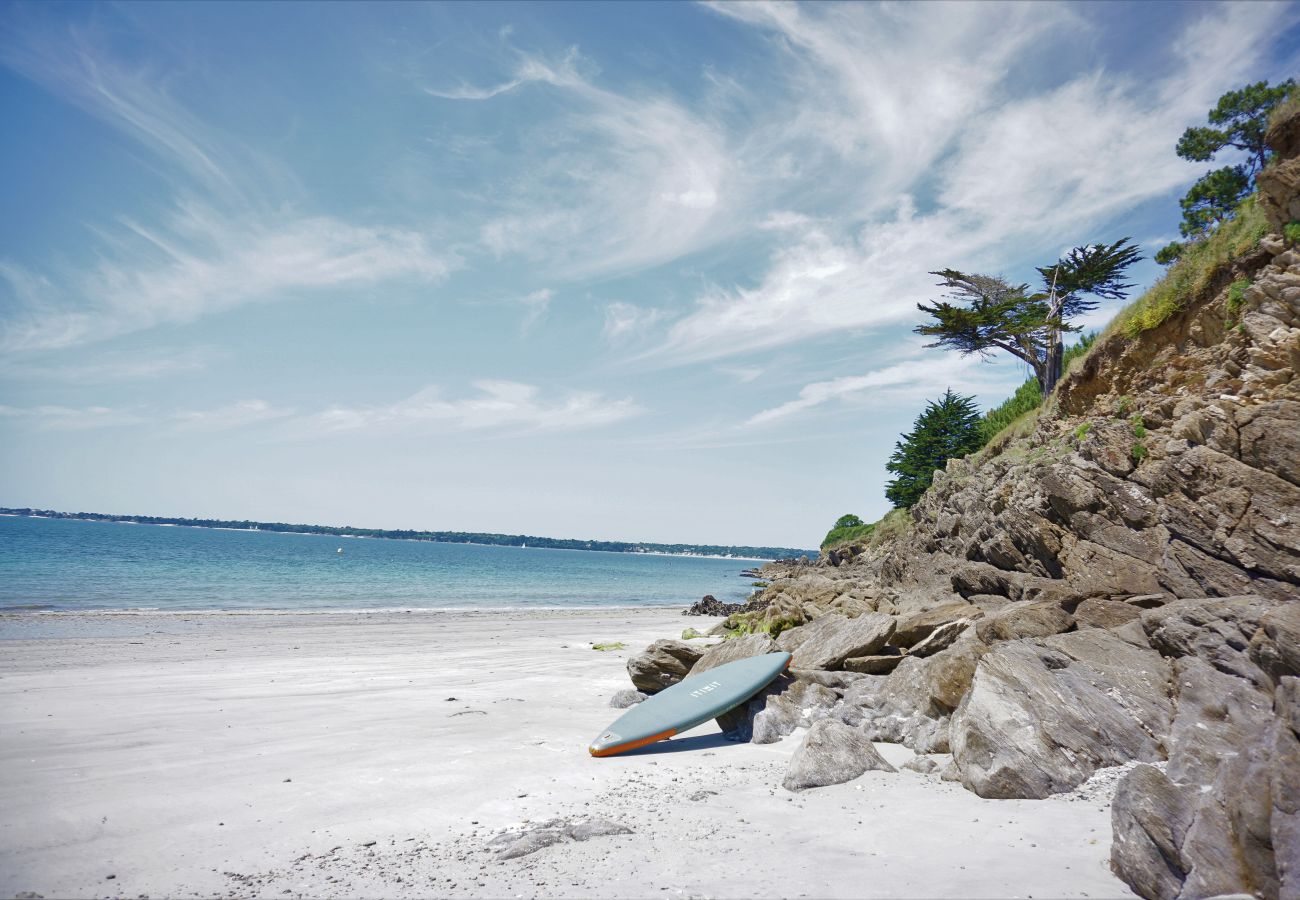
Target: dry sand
pixel 375 755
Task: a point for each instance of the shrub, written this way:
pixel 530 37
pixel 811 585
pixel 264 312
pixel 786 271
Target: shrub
pixel 1194 272
pixel 1140 452
pixel 1291 232
pixel 1236 294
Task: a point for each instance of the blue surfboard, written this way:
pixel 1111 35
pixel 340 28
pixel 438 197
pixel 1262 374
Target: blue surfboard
pixel 688 703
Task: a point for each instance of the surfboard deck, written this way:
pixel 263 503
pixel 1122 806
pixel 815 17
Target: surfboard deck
pixel 688 703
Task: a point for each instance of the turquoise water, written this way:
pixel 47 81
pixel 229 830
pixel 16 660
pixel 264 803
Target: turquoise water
pixel 51 565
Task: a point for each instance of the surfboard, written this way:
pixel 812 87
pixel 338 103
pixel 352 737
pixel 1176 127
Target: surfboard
pixel 688 703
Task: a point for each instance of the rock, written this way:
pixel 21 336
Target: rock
pixel 832 753
pixel 732 650
pixel 941 638
pixel 1149 819
pixel 785 705
pixel 513 844
pixel 913 705
pixel 1095 613
pixel 873 665
pixel 1042 715
pixel 1275 648
pixel 1147 601
pixel 1023 620
pixel 917 627
pixel 662 664
pixel 827 642
pixel 923 764
pixel 712 606
pixel 1216 629
pixel 625 698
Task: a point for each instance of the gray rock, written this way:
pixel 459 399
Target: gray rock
pixel 1149 820
pixel 1095 613
pixel 940 638
pixel 1043 715
pixel 625 698
pixel 788 704
pixel 923 764
pixel 917 627
pixel 1275 648
pixel 732 650
pixel 832 753
pixel 827 642
pixel 1216 629
pixel 662 664
pixel 873 665
pixel 1023 619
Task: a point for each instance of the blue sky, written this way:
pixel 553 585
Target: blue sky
pixel 627 271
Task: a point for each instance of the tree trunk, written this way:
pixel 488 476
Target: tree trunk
pixel 1052 366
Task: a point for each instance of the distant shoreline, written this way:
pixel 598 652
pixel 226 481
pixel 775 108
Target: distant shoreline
pixel 706 551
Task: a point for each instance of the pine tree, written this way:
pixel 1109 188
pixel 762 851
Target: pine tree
pixel 948 428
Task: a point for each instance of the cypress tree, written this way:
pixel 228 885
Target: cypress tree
pixel 948 428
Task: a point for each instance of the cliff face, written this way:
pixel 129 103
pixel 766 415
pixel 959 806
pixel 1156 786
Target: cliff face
pixel 1115 582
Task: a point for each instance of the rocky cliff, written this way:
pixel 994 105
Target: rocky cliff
pixel 1115 582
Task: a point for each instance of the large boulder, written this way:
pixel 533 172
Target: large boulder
pixel 827 642
pixel 1224 818
pixel 662 664
pixel 1098 613
pixel 913 705
pixel 1216 629
pixel 1275 648
pixel 1042 715
pixel 832 753
pixel 732 650
pixel 1024 619
pixel 917 627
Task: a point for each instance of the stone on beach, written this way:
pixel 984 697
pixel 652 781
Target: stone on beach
pixel 626 697
pixel 832 753
pixel 662 664
pixel 514 844
pixel 830 640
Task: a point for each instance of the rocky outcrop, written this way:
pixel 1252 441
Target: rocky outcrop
pixel 625 698
pixel 1043 715
pixel 832 753
pixel 828 642
pixel 712 606
pixel 662 664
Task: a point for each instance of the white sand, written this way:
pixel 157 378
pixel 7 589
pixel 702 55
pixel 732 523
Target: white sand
pixel 257 755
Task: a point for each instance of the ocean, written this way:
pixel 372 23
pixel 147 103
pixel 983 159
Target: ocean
pixel 65 565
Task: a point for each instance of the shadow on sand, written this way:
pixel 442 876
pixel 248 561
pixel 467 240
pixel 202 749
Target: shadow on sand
pixel 682 745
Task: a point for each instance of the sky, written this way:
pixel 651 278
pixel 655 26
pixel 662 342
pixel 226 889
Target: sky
pixel 620 271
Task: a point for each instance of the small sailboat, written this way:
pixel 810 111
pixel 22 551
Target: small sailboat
pixel 340 550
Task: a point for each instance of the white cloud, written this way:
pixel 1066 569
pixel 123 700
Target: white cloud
pixel 234 415
pixel 624 320
pixel 1006 175
pixel 919 377
pixel 535 307
pixel 242 242
pixel 497 404
pixel 742 374
pixel 68 418
pixel 200 263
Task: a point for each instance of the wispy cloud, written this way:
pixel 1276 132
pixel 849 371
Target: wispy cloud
pixel 914 379
pixel 625 320
pixel 535 307
pixel 54 417
pixel 241 242
pixel 498 404
pixel 1002 173
pixel 234 415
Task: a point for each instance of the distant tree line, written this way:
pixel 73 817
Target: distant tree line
pixel 442 537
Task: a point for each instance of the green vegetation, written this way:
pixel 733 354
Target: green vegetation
pixel 445 537
pixel 1082 431
pixel 1195 270
pixel 1123 405
pixel 758 584
pixel 847 528
pixel 1238 121
pixel 613 645
pixel 1236 295
pixel 1291 232
pixel 988 313
pixel 691 634
pixel 948 428
pixel 1139 426
pixel 1028 396
pixel 1139 452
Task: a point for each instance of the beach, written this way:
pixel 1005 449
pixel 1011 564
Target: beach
pixel 344 755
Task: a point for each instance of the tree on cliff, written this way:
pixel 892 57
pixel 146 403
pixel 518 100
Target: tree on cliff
pixel 1238 121
pixel 986 313
pixel 948 428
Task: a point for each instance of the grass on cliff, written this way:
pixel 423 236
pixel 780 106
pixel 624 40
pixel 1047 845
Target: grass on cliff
pixel 837 536
pixel 1028 396
pixel 1194 271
